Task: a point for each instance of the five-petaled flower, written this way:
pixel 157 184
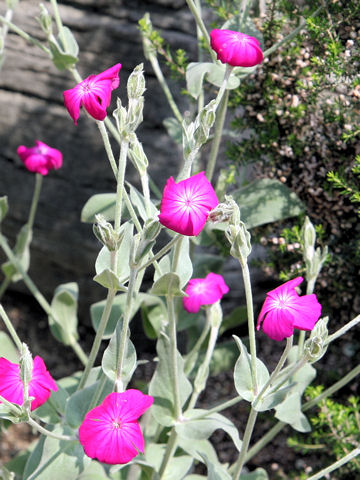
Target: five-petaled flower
pixel 93 93
pixel 236 48
pixel 204 291
pixel 110 432
pixel 284 310
pixel 40 385
pixel 41 158
pixel 185 206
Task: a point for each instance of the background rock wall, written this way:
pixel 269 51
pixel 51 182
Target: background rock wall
pixel 32 108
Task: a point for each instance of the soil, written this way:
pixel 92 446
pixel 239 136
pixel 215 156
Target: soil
pixel 278 459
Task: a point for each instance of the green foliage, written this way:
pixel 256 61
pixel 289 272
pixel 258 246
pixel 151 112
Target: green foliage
pixel 335 431
pixel 348 187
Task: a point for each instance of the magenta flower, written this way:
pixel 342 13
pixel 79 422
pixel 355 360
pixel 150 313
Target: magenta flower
pixel 185 206
pixel 93 93
pixel 235 48
pixel 110 431
pixel 40 385
pixel 284 310
pixel 204 291
pixel 41 158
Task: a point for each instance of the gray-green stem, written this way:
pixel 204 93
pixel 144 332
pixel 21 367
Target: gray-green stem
pixel 124 331
pixel 98 338
pixel 59 24
pixel 161 79
pixel 343 330
pixel 10 328
pixel 218 408
pixel 334 466
pixel 219 125
pixel 192 355
pixel 120 183
pixel 37 294
pixel 48 433
pixel 199 22
pixel 24 35
pixel 311 403
pixel 161 252
pixel 173 354
pixel 289 343
pixel 245 444
pixel 169 452
pixel 251 324
pixel 107 145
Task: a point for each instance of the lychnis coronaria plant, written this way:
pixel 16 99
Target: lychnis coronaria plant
pixel 164 264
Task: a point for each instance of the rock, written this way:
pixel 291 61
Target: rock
pixel 63 249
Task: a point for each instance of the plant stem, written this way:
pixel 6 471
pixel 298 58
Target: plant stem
pixel 43 430
pixel 289 343
pixel 24 35
pixel 174 353
pixel 189 360
pixel 37 294
pixel 144 178
pixel 107 145
pixel 169 452
pixel 290 36
pixel 218 408
pixel 342 330
pixel 245 445
pixel 98 337
pixel 120 183
pixel 350 456
pixel 309 290
pixel 251 325
pixel 10 328
pixel 59 24
pixel 311 403
pixel 161 79
pixel 15 409
pixel 161 252
pixel 35 200
pixel 201 25
pixel 124 331
pixel 219 125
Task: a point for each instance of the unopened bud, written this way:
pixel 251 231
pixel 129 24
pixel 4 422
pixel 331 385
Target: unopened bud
pixel 137 155
pixel 45 20
pixel 151 230
pixel 134 114
pixel 136 82
pixel 204 122
pixel 120 116
pixel 221 213
pixel 215 314
pixel 26 369
pixel 315 347
pixel 237 234
pixel 106 234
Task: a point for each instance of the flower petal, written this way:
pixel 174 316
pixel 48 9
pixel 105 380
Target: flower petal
pixel 236 48
pixel 278 324
pixel 306 312
pixel 111 74
pixel 72 100
pixel 92 105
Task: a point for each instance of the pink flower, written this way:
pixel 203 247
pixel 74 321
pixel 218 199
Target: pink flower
pixel 41 158
pixel 185 206
pixel 204 291
pixel 93 93
pixel 110 431
pixel 284 310
pixel 235 48
pixel 11 386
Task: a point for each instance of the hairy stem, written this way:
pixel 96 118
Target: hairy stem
pixel 10 328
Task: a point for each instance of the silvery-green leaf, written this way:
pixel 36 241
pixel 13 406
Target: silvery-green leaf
pixel 289 411
pixel 109 280
pixel 174 129
pixel 63 322
pixel 242 373
pixel 8 349
pixel 101 203
pixel 168 284
pixel 4 207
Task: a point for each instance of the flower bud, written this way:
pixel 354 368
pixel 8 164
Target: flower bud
pixel 137 155
pixel 120 116
pixel 221 213
pixel 151 230
pixel 106 234
pixel 26 369
pixel 237 234
pixel 215 314
pixel 45 20
pixel 134 114
pixel 136 82
pixel 315 347
pixel 204 121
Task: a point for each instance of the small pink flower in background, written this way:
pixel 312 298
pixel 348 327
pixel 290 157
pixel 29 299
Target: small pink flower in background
pixel 284 310
pixel 93 93
pixel 235 48
pixel 185 206
pixel 110 431
pixel 41 158
pixel 40 385
pixel 204 291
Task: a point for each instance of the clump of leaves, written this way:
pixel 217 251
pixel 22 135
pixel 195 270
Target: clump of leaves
pixel 349 187
pixel 335 431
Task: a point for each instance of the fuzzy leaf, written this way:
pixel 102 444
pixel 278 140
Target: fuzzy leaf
pixel 63 324
pixel 242 373
pixel 168 284
pixel 101 203
pixel 161 385
pixel 289 411
pixel 8 349
pixel 110 357
pixel 109 280
pixel 4 207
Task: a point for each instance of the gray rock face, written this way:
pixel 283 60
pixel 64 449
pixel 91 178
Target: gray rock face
pixel 32 109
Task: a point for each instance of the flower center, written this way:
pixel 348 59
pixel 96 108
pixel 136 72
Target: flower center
pixel 86 87
pixel 116 424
